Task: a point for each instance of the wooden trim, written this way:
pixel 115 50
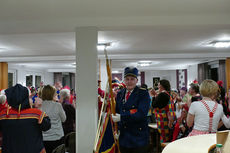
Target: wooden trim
pixel 3 75
pixel 142 77
pixel 185 77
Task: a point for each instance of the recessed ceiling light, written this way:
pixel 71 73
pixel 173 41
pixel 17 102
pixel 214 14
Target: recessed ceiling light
pixel 2 49
pixel 115 72
pixel 220 44
pixel 144 63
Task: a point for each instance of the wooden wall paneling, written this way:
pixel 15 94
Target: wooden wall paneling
pixel 142 78
pixel 3 75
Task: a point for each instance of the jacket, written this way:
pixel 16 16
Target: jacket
pixel 134 131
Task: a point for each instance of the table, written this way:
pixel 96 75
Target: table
pixel 193 144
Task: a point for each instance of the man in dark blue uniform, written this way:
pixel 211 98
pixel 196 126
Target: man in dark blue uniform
pixel 132 105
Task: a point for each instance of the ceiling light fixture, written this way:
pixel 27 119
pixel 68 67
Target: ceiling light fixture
pixel 2 49
pixel 220 44
pixel 144 63
pixel 115 71
pixel 102 46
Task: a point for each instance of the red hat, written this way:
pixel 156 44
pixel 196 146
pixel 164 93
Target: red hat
pixel 220 83
pixel 66 87
pixel 195 81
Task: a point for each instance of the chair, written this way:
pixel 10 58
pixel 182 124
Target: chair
pixel 59 149
pixel 70 142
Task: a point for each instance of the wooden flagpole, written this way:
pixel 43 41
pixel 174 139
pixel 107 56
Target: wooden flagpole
pixel 100 123
pixel 112 102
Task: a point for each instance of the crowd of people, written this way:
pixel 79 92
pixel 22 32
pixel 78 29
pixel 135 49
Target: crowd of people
pixel 36 120
pixel 202 109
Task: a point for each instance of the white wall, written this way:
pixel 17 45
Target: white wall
pixel 163 74
pixel 21 72
pixel 49 78
pixel 192 73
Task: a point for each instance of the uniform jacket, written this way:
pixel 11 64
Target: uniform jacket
pixel 133 126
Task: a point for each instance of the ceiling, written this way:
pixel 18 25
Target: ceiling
pixel 173 35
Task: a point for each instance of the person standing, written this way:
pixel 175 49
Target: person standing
pixel 21 125
pixel 55 135
pixel 206 113
pixel 69 124
pixel 132 105
pixel 164 110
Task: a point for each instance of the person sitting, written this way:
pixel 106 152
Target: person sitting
pixel 206 113
pixel 22 125
pixel 180 128
pixel 194 91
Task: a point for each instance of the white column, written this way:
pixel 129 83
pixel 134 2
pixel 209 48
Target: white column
pixel 86 88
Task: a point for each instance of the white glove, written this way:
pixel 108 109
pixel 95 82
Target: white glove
pixel 116 117
pixel 117 135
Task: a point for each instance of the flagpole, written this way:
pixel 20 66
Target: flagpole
pixel 112 102
pixel 100 118
pixel 99 61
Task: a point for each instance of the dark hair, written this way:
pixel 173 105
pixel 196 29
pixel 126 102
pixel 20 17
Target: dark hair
pixel 195 87
pixel 32 89
pixel 184 88
pixel 144 86
pixel 165 84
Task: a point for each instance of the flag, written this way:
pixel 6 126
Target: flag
pixel 106 141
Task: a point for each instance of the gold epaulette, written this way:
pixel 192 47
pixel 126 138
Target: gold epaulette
pixel 142 88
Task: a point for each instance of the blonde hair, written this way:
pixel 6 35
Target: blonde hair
pixel 40 92
pixel 209 88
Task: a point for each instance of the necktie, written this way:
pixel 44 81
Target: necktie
pixel 127 95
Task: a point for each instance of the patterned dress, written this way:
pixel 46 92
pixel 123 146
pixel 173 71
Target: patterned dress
pixel 163 109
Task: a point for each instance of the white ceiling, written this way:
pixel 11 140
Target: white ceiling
pixel 40 34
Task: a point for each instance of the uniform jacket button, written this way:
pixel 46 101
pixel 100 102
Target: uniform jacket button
pixel 140 129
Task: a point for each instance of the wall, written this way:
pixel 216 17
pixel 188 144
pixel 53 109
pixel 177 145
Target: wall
pixel 192 73
pixel 21 72
pixel 163 74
